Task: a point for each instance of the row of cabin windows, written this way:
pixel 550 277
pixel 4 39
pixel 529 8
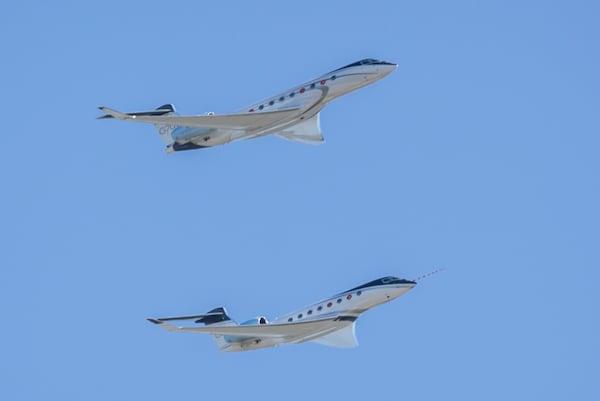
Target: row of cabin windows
pixel 320 307
pixel 302 90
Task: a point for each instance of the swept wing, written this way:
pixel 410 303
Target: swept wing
pixel 286 332
pixel 238 121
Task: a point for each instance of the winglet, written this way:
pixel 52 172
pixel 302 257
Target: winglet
pixel 111 113
pixel 164 325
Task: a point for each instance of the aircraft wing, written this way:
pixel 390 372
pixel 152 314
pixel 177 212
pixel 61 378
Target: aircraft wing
pixel 307 132
pixel 286 332
pixel 239 121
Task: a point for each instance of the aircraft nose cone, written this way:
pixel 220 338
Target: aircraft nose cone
pixel 387 68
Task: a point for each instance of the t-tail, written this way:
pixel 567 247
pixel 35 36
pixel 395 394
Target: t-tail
pixel 164 130
pixel 218 317
pixel 215 317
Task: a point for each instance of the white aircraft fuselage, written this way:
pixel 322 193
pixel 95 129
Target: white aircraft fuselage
pixel 327 322
pixel 292 115
pixel 312 96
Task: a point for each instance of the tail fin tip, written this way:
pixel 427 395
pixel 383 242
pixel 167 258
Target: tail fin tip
pixel 169 108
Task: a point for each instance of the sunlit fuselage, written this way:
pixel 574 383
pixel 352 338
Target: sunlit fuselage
pixel 308 98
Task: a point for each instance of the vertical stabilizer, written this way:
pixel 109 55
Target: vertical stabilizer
pixel 165 130
pixel 218 317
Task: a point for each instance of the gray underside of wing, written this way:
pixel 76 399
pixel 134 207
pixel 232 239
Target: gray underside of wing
pixel 288 332
pixel 241 121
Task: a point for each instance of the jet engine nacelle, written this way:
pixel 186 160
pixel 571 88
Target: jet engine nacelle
pixel 255 321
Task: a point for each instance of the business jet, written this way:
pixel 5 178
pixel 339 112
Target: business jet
pixel 329 322
pixel 292 115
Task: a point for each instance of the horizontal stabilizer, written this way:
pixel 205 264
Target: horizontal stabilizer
pixel 190 317
pixel 214 316
pixel 111 113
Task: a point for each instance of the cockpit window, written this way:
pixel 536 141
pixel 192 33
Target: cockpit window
pixel 381 281
pixel 366 61
pixel 362 62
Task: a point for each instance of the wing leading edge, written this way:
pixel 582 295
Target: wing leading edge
pixel 297 332
pixel 240 121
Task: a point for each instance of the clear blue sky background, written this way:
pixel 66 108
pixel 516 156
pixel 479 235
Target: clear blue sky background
pixel 479 154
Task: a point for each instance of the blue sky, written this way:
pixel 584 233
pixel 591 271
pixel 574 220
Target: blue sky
pixel 478 155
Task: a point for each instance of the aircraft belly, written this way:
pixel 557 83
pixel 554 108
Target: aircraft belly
pixel 213 138
pixel 249 344
pixel 184 134
pixel 201 136
pixel 237 339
